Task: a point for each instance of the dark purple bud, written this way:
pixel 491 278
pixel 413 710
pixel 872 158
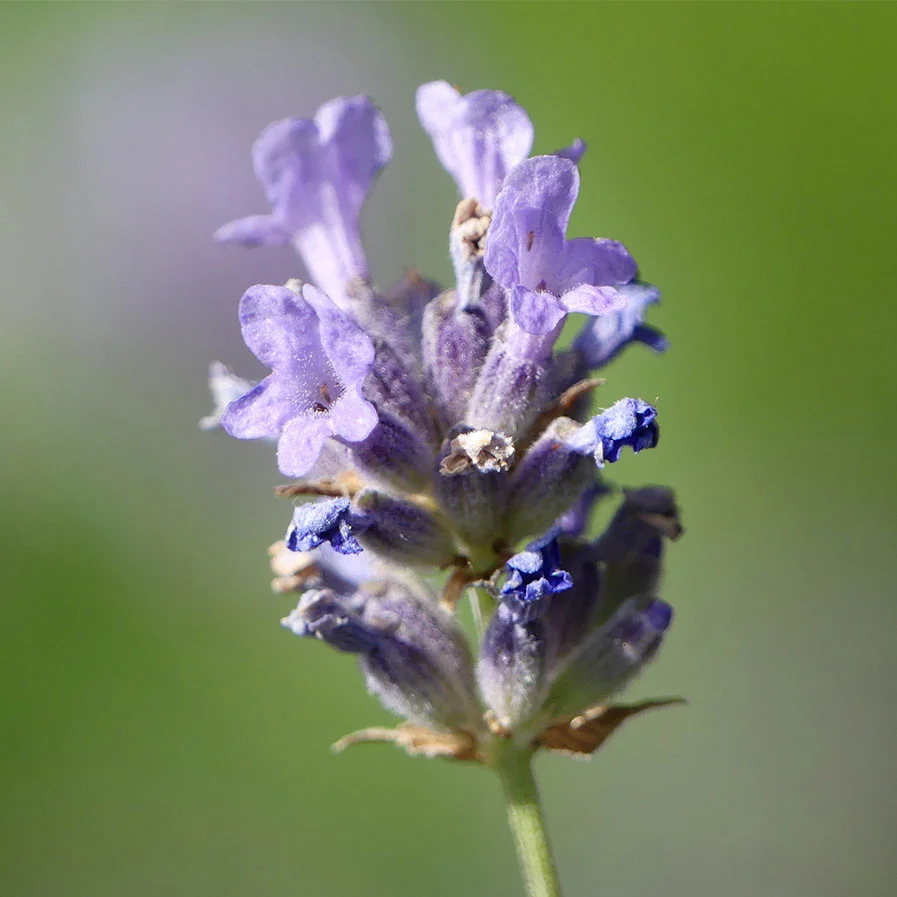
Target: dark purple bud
pixel 608 659
pixel 574 152
pixel 631 548
pixel 413 656
pixel 397 454
pixel 455 343
pixel 403 532
pixel 547 480
pixel 511 669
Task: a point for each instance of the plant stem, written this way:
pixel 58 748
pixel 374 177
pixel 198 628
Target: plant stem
pixel 527 823
pixel 482 606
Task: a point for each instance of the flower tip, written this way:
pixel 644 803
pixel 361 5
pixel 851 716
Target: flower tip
pixel 659 615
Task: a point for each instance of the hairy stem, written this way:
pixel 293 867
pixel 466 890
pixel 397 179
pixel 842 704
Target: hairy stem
pixel 527 823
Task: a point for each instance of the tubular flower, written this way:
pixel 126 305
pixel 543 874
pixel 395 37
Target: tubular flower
pixel 316 173
pixel 438 442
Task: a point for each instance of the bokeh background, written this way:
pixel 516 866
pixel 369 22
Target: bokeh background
pixel 160 733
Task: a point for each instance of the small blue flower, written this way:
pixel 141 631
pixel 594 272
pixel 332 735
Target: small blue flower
pixel 315 523
pixel 629 422
pixel 534 575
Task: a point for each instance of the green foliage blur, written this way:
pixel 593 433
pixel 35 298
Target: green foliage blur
pixel 161 734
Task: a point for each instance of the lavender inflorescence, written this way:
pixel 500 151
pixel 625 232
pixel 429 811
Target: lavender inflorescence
pixel 442 433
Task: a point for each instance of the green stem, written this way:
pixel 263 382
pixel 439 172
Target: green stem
pixel 527 823
pixel 482 605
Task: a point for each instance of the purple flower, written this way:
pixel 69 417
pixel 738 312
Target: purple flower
pixel 603 338
pixel 534 575
pixel 316 173
pixel 319 359
pixel 317 522
pixel 544 274
pixel 478 137
pixel 629 422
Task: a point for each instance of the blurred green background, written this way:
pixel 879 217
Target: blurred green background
pixel 161 734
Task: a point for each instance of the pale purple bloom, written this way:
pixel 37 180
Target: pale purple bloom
pixel 479 137
pixel 316 174
pixel 528 254
pixel 319 359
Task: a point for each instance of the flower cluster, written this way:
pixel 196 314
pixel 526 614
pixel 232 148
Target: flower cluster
pixel 443 434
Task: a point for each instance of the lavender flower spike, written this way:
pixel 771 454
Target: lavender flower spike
pixel 631 422
pixel 317 522
pixel 478 137
pixel 319 359
pixel 436 430
pixel 527 252
pixel 316 173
